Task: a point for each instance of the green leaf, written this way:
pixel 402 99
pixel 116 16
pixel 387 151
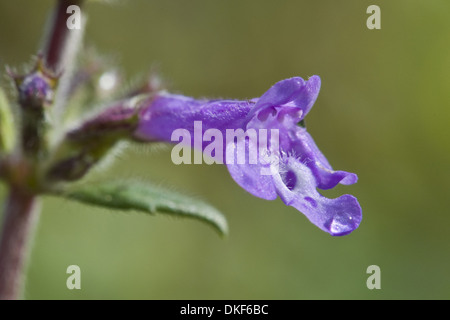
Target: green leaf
pixel 133 195
pixel 6 124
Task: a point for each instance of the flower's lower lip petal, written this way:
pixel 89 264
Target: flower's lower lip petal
pixel 254 178
pixel 296 186
pixel 309 153
pixel 348 178
pixel 249 178
pixel 330 179
pixel 345 215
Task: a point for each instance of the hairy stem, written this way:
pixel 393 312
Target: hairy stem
pixel 60 49
pixel 58 35
pixel 20 216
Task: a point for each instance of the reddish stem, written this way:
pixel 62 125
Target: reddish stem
pixel 58 35
pixel 20 217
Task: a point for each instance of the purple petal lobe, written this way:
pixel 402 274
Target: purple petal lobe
pixel 294 92
pixel 305 147
pixel 249 177
pixel 338 216
pixel 308 95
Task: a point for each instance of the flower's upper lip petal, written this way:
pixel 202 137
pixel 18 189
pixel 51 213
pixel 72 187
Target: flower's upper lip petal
pixel 281 92
pixel 308 95
pixel 293 91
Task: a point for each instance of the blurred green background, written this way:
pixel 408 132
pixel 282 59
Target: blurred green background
pixel 383 113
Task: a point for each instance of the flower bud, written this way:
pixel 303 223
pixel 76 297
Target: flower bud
pixel 37 88
pixel 35 92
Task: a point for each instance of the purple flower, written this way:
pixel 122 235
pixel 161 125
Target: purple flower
pixel 300 166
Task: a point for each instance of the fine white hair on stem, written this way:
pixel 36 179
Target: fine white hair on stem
pixel 72 47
